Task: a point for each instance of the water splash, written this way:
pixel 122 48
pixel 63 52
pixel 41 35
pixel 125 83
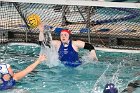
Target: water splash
pixel 52 56
pixel 85 58
pixel 115 78
pixel 48 49
pixel 17 91
pixel 104 79
pixel 97 87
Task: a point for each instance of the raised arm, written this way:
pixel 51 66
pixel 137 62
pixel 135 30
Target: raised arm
pixel 23 73
pixel 44 40
pixel 41 33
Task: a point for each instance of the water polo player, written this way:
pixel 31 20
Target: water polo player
pixel 8 78
pixel 67 48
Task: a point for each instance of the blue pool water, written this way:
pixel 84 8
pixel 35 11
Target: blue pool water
pixel 117 67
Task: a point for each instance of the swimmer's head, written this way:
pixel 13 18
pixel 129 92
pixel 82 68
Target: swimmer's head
pixel 110 88
pixel 65 35
pixel 5 69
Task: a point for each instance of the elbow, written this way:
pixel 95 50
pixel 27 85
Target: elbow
pixel 89 47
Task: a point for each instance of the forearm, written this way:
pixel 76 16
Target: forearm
pixel 92 51
pixel 23 73
pixel 41 32
pixel 93 55
pixel 32 66
pixel 41 36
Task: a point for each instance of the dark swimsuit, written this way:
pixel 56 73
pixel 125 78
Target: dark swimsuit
pixel 68 56
pixel 7 84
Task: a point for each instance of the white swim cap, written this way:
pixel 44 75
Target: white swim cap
pixel 4 68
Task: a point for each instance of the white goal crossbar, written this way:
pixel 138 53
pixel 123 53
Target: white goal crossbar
pixel 82 3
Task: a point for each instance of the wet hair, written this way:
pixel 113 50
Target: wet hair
pixel 110 88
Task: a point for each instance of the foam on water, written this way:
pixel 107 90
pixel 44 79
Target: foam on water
pixel 49 50
pixel 52 56
pixel 87 78
pixel 15 91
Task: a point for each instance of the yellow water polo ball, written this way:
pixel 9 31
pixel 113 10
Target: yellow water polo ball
pixel 33 20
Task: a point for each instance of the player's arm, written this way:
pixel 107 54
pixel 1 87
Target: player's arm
pixel 43 39
pixel 23 73
pixel 41 33
pixel 88 46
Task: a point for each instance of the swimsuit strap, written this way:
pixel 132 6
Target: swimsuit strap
pixel 5 74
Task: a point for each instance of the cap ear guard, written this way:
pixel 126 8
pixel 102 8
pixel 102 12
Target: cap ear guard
pixel 70 36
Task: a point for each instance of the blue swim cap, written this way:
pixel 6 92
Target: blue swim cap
pixel 110 88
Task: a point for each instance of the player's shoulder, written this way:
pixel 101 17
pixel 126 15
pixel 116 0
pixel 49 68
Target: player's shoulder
pixel 77 41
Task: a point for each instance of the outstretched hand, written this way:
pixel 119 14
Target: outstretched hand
pixel 42 57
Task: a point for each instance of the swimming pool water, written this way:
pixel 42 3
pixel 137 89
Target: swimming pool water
pixel 119 68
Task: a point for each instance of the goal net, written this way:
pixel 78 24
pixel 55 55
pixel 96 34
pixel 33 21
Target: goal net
pixel 102 24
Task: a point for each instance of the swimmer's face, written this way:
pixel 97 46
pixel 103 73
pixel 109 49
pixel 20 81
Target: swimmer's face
pixel 64 36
